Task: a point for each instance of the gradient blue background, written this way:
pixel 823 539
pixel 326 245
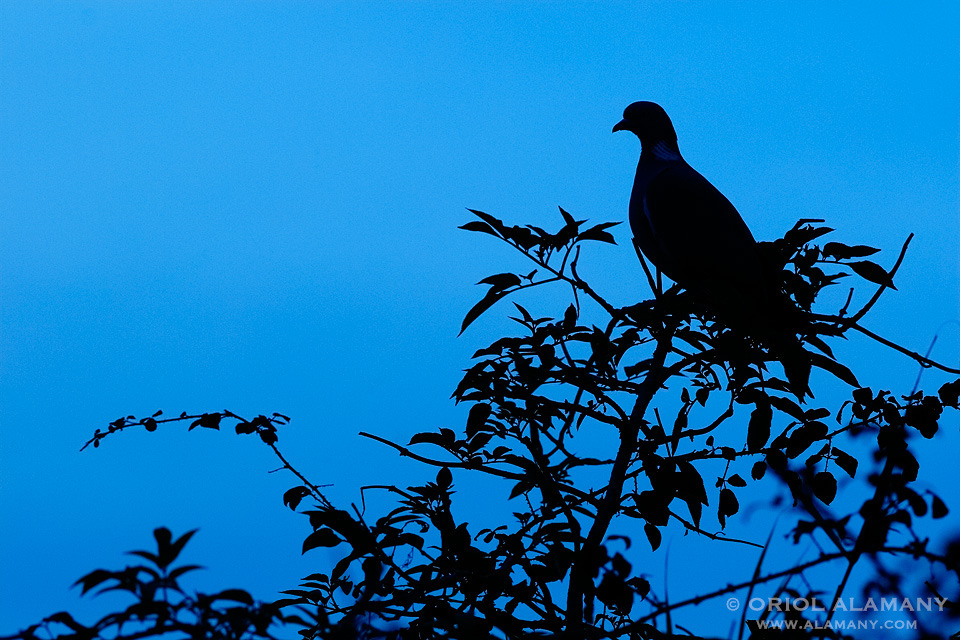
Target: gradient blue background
pixel 254 206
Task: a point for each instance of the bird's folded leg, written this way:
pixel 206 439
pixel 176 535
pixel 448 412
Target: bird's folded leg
pixel 655 283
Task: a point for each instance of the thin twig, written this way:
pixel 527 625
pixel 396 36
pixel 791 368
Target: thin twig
pixel 876 296
pixel 926 362
pixel 712 536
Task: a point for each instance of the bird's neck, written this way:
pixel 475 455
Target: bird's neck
pixel 663 150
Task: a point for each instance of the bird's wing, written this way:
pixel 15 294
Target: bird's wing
pixel 701 235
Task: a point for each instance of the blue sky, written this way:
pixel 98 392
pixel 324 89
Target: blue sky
pixel 254 206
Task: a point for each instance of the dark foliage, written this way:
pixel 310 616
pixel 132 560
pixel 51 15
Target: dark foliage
pixel 664 378
pixel 159 606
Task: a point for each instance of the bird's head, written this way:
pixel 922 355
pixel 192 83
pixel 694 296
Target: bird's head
pixel 649 122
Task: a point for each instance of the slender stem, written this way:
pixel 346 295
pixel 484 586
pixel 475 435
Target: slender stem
pixel 926 362
pixel 876 296
pixel 314 490
pixel 575 282
pixel 829 557
pixel 692 527
pixel 579 596
pixel 486 468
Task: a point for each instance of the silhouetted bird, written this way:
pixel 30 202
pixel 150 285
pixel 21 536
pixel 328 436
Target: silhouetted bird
pixel 694 236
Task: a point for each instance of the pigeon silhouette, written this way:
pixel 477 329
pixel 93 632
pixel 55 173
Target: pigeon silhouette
pixel 693 235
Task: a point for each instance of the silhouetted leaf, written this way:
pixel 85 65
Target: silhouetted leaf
pixel 845 461
pixel 321 538
pixel 908 465
pixel 689 482
pixel 653 507
pixel 820 344
pixel 803 437
pixel 688 485
pixel 93 579
pixel 520 488
pixel 758 431
pixel 426 436
pixel 758 470
pixel 786 405
pixel 479 441
pixel 179 571
pixel 917 503
pixel 801 235
pixel 146 555
pixel 570 318
pixel 598 233
pixel 477 418
pixel 522 236
pixel 501 281
pixel 678 427
pixel 924 416
pixel 825 487
pixel 841 251
pixel 696 510
pixel 614 593
pixel 410 539
pixel 163 537
pixel 444 478
pixel 527 318
pixel 737 481
pixel 873 272
pixel 833 367
pixel 175 548
pixel 244 428
pixel 485 303
pixel 489 219
pixel 341 522
pixel 640 585
pixel 728 503
pixel 653 535
pixel 702 395
pixel 938 508
pixel 477 225
pixel 950 394
pixel 777 460
pixel 207 421
pixel 292 497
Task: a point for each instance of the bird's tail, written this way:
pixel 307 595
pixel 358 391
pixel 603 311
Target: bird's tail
pixel 782 324
pixel 777 325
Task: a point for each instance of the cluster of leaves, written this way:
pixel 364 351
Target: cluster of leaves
pixel 540 245
pixel 265 427
pixel 678 393
pixel 160 606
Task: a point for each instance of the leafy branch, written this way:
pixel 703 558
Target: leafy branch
pixel 659 378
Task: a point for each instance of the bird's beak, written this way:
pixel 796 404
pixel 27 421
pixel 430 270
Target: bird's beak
pixel 621 126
